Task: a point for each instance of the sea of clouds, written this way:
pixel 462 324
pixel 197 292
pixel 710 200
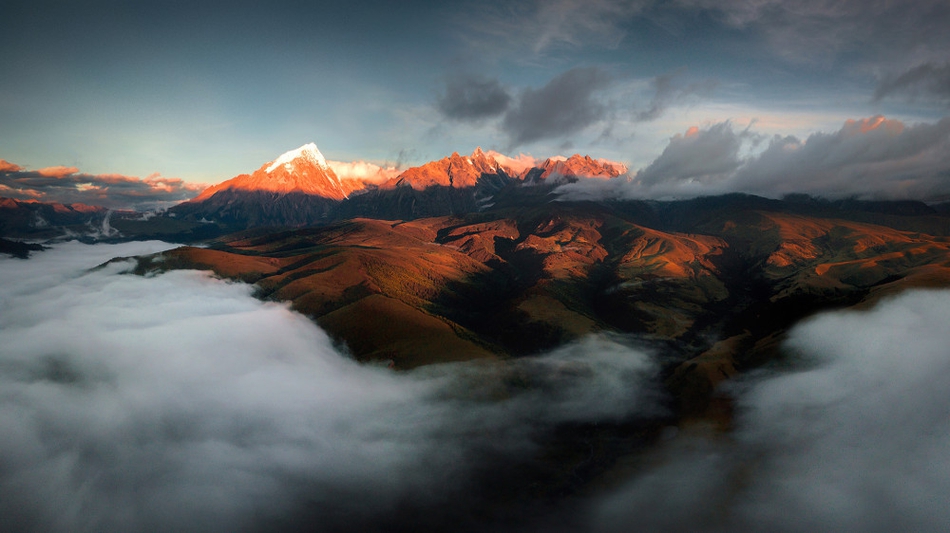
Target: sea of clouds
pixel 854 437
pixel 179 402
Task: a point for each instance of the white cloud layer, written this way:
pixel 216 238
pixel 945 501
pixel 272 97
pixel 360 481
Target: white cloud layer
pixel 856 439
pixel 179 402
pixel 363 171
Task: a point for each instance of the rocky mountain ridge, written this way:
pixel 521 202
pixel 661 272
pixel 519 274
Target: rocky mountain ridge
pixel 303 170
pixel 297 189
pixel 719 278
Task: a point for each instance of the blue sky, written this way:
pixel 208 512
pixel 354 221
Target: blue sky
pixel 205 91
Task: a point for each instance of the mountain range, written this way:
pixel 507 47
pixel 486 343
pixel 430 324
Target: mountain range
pixel 717 280
pixel 299 188
pixel 478 257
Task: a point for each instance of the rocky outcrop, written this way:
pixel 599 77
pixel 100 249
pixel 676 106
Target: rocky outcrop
pixel 560 170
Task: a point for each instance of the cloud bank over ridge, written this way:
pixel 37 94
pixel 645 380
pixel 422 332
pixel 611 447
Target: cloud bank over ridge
pixel 855 437
pixel 68 185
pixel 872 158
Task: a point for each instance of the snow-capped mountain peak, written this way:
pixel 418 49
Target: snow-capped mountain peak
pixel 303 170
pixel 308 152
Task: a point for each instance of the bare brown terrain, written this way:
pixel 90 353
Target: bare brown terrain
pixel 721 282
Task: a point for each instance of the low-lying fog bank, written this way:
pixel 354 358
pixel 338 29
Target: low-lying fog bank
pixel 854 437
pixel 180 402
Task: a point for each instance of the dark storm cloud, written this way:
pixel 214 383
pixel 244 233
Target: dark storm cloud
pixel 697 156
pixel 469 98
pixel 567 105
pixel 525 30
pixel 929 80
pixel 857 438
pixel 579 22
pixel 178 402
pixel 668 90
pixel 807 31
pixel 820 31
pixel 68 185
pixel 872 158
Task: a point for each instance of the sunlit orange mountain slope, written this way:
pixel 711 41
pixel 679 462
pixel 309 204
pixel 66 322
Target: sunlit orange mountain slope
pixel 303 170
pixel 558 170
pixel 453 171
pixel 720 278
pixel 299 188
